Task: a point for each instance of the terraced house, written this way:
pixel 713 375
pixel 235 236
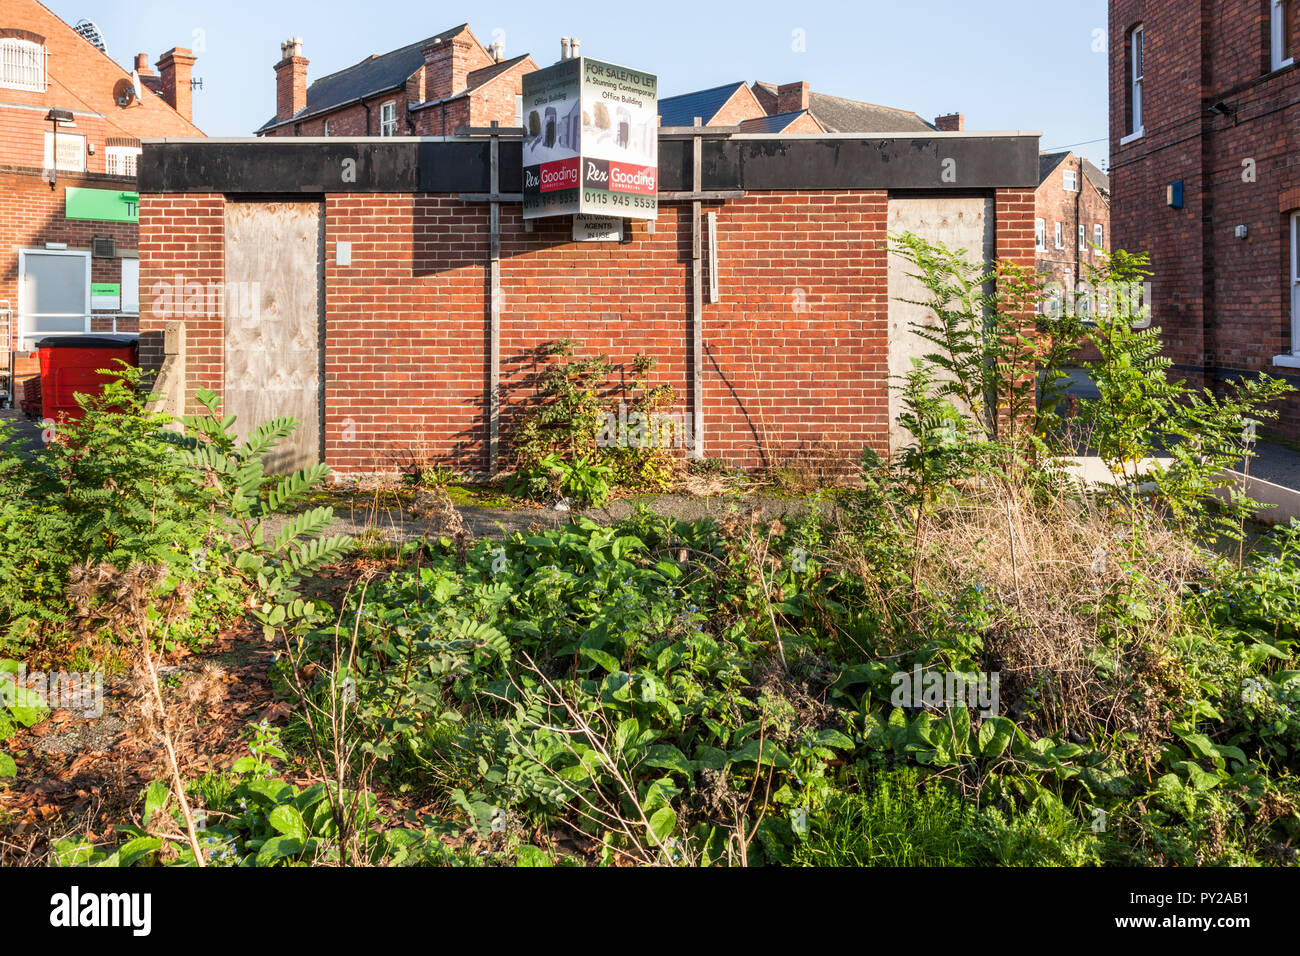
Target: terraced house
pixel 1205 131
pixel 429 88
pixel 71 122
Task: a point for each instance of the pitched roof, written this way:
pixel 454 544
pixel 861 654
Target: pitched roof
pixel 1048 163
pixel 375 74
pixel 681 110
pixel 777 123
pixel 838 115
pixel 92 84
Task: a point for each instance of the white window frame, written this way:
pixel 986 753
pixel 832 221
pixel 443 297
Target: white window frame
pixel 130 285
pixel 1083 238
pixel 1280 53
pixel 28 60
pixel 1137 81
pixel 51 153
pixel 1099 235
pixel 1070 179
pixel 26 333
pixel 388 126
pixel 1040 235
pixel 125 158
pixel 1060 236
pixel 325 128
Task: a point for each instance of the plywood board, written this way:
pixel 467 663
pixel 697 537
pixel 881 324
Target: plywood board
pixel 959 223
pixel 273 309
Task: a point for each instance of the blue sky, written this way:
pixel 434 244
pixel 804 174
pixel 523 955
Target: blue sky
pixel 1016 64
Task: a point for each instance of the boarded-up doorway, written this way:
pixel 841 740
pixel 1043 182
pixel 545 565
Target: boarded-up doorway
pixel 273 306
pixel 959 223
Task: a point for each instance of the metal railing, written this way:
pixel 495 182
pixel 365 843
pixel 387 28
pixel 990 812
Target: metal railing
pixel 29 335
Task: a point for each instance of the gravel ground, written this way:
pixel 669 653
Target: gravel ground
pixel 410 523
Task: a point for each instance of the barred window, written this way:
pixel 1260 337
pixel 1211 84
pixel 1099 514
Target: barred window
pixel 122 160
pixel 22 65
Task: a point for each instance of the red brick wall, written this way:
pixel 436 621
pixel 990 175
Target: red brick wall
pixel 1054 203
pixel 740 107
pixel 84 79
pixel 185 237
pixel 31 214
pixel 795 351
pixel 1223 302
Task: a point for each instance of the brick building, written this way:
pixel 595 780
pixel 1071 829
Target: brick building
pixel 364 305
pixel 61 193
pixel 1072 223
pixel 1205 131
pixel 793 108
pixel 428 88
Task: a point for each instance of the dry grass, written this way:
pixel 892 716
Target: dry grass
pixel 1056 577
pixel 1068 661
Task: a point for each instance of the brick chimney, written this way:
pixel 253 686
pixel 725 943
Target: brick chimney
pixel 175 68
pixel 290 80
pixel 792 97
pixel 448 64
pixel 142 64
pixel 952 123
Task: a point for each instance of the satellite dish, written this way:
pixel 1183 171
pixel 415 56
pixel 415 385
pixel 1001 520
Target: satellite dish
pixel 124 92
pixel 91 34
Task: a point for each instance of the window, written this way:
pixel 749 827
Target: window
pixel 53 292
pixel 388 119
pixel 1040 234
pixel 131 286
pixel 326 129
pixel 1060 239
pixel 1136 76
pixel 72 152
pixel 1099 236
pixel 1280 35
pixel 1071 178
pixel 122 160
pixel 22 65
pixel 1083 237
pixel 1295 284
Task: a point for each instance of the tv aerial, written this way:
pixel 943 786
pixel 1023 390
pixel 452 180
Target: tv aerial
pixel 91 33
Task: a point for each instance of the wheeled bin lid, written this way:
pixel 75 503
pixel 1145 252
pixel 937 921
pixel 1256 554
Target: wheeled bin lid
pixel 119 340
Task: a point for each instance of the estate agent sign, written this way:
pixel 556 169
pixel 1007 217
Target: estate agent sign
pixel 591 141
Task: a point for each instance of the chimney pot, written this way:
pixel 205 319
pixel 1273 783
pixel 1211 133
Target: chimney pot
pixel 573 49
pixel 142 64
pixel 564 48
pixel 290 80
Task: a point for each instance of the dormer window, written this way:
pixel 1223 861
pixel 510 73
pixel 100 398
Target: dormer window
pixel 22 65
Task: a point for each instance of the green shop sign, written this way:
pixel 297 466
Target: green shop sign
pixel 105 205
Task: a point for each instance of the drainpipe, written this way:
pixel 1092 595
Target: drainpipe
pixel 1078 221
